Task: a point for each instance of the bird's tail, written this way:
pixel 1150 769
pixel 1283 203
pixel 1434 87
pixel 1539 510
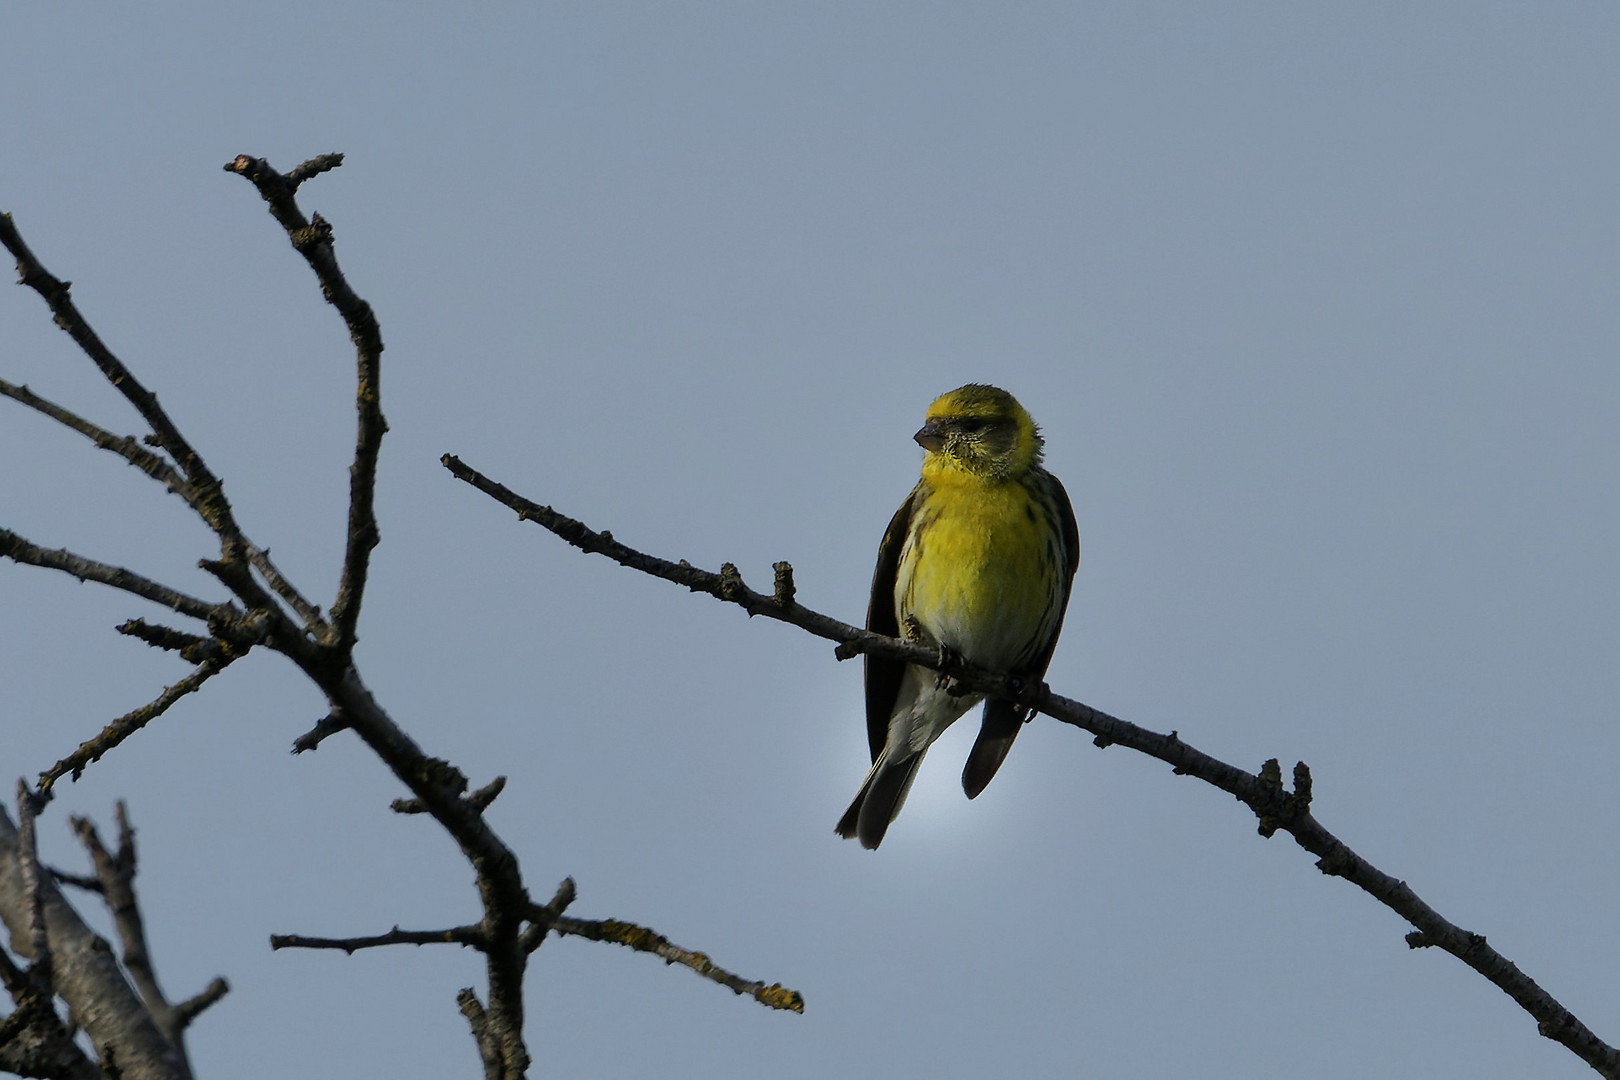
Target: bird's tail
pixel 1002 719
pixel 878 802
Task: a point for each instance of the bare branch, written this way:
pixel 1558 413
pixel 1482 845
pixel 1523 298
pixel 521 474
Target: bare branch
pixel 641 939
pixel 78 881
pixel 1263 793
pixel 33 1039
pixel 479 799
pixel 324 728
pixel 489 1046
pixel 313 168
pixel 191 1008
pixel 204 491
pixel 33 885
pixel 17 549
pixel 115 881
pixel 116 875
pixel 308 612
pixel 131 722
pixel 313 240
pixel 125 446
pixel 193 481
pixel 543 919
pixel 512 926
pixel 468 936
pixel 85 974
pixel 191 647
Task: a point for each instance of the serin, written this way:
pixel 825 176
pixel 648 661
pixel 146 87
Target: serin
pixel 978 559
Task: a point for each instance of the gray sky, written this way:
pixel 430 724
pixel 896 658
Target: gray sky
pixel 1317 310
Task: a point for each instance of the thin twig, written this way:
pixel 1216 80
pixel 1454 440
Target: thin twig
pixel 162 637
pixel 467 936
pixel 1263 793
pixel 78 881
pixel 131 722
pixel 641 939
pixel 542 919
pixel 308 612
pixel 479 799
pixel 17 549
pixel 203 489
pixel 125 446
pixel 324 728
pixel 116 873
pixel 314 167
pixel 191 1008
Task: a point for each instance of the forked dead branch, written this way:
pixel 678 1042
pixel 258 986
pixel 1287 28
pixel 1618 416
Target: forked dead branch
pixel 138 1035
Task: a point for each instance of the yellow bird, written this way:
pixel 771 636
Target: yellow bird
pixel 979 559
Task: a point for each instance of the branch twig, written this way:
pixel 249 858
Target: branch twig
pixel 17 549
pixel 125 446
pixel 641 939
pixel 122 728
pixel 470 936
pixel 115 875
pixel 203 489
pixel 543 919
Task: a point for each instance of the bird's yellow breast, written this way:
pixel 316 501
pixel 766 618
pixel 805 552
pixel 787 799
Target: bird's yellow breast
pixel 980 569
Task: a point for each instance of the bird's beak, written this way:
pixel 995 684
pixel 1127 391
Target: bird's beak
pixel 930 437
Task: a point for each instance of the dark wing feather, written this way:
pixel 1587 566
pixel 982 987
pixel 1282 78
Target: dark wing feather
pixel 1071 548
pixel 1002 719
pixel 883 675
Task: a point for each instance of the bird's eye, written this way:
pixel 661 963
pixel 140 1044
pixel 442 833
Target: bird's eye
pixel 970 424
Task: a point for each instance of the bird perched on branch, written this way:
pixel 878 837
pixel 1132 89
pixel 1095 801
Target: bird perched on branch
pixel 979 559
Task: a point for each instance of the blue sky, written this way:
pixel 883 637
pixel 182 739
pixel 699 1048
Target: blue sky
pixel 1316 309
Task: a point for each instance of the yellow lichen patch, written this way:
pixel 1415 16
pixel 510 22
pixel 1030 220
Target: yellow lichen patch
pixel 778 996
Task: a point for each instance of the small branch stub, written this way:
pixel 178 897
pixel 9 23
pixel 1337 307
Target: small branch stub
pixel 784 591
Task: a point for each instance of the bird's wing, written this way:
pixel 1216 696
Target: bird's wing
pixel 1002 719
pixel 1071 547
pixel 883 675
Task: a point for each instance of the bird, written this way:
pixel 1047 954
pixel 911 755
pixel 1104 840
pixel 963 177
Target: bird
pixel 978 561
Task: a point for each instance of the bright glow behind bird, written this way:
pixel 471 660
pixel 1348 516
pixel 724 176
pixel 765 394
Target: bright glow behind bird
pixel 980 559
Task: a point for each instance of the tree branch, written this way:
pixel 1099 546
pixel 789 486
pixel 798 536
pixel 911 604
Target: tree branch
pixel 191 1008
pixel 489 1046
pixel 33 1039
pixel 1264 794
pixel 512 925
pixel 641 939
pixel 17 549
pixel 125 446
pixel 204 491
pixel 115 875
pixel 468 936
pixel 543 919
pixel 84 973
pixel 122 728
pixel 313 240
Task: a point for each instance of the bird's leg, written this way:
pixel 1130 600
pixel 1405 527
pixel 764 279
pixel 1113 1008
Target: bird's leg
pixel 1017 684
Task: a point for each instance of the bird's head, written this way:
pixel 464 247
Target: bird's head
pixel 980 430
